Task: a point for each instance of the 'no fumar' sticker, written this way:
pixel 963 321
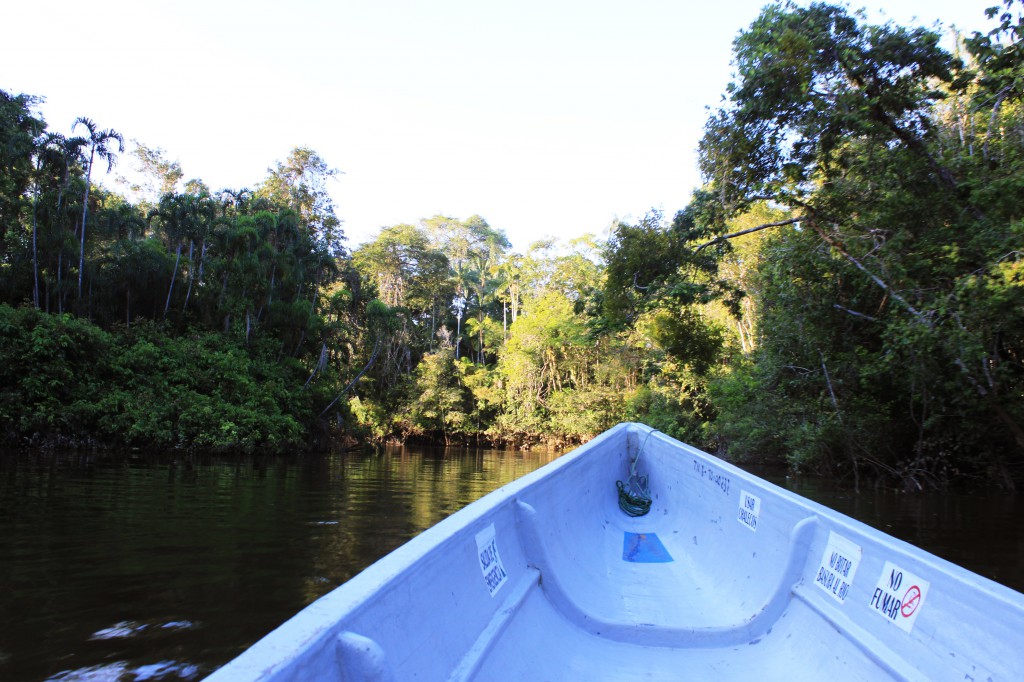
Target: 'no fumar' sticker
pixel 490 561
pixel 899 596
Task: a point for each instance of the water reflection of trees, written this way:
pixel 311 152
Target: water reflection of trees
pixel 379 501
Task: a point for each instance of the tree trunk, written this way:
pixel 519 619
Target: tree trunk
pixel 458 334
pixel 60 288
pixel 992 121
pixel 85 214
pixel 191 276
pixel 174 276
pixel 35 250
pixel 480 338
pixel 202 256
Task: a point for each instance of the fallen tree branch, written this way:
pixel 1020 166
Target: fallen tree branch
pixel 854 312
pixel 376 350
pixel 320 364
pixel 731 235
pixel 872 276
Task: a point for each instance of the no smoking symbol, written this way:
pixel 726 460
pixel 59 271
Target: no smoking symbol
pixel 911 600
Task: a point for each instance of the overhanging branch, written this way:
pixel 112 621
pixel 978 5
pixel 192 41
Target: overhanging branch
pixel 731 235
pixel 376 350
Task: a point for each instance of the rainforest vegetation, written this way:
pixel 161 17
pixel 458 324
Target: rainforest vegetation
pixel 845 292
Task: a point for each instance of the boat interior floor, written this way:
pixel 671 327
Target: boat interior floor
pixel 552 627
pixel 541 644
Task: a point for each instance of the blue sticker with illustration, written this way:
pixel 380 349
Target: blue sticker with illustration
pixel 644 548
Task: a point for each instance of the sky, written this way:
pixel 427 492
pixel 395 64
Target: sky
pixel 549 118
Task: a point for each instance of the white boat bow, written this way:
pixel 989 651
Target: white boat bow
pixel 727 577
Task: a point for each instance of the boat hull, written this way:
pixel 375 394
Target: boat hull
pixel 727 577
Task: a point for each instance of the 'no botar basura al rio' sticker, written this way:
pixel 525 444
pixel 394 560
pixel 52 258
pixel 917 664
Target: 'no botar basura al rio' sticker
pixel 838 566
pixel 490 561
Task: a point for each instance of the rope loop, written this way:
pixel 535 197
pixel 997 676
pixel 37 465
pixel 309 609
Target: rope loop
pixel 634 492
pixel 634 504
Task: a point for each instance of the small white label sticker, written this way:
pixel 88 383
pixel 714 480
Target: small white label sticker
pixel 750 509
pixel 899 596
pixel 838 566
pixel 490 561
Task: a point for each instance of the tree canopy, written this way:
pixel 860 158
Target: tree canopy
pixel 844 292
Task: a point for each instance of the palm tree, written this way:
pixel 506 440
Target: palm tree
pixel 46 152
pixel 71 152
pixel 99 142
pixel 183 217
pixel 56 156
pixel 236 200
pixel 203 213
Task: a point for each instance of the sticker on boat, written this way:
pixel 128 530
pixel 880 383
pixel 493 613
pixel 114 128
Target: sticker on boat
pixel 490 561
pixel 899 596
pixel 838 566
pixel 750 509
pixel 644 548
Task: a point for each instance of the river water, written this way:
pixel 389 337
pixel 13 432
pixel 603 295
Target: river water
pixel 131 567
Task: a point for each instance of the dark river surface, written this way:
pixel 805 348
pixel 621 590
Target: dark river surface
pixel 134 567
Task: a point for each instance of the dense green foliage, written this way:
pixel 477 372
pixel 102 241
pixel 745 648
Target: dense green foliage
pixel 890 314
pixel 68 382
pixel 845 293
pixel 185 319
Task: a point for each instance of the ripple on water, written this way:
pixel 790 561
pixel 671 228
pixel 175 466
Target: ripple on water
pixel 132 628
pixel 121 671
pixel 165 670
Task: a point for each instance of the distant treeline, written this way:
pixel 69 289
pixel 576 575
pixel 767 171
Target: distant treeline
pixel 845 293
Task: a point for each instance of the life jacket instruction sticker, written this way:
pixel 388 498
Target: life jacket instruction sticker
pixel 899 596
pixel 750 509
pixel 838 566
pixel 490 561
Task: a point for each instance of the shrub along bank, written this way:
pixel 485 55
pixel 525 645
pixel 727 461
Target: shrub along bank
pixel 66 382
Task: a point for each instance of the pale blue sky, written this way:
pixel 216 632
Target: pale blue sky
pixel 548 118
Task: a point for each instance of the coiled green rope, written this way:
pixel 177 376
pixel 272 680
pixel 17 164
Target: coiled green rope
pixel 634 493
pixel 634 504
